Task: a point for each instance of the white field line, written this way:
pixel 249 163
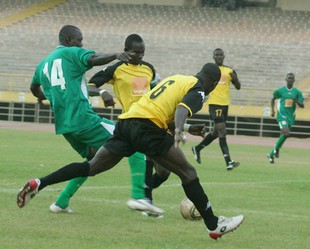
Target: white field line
pixel 246 212
pixel 176 185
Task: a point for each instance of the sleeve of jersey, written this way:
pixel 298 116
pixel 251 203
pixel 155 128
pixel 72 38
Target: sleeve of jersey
pixel 193 101
pixel 276 94
pixel 300 97
pixel 83 56
pixel 103 76
pixel 36 76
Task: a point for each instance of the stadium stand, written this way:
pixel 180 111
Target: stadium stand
pixel 262 44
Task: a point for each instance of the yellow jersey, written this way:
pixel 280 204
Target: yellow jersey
pixel 159 104
pixel 221 94
pixel 129 81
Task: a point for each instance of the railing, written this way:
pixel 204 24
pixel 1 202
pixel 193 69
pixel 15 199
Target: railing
pixel 236 125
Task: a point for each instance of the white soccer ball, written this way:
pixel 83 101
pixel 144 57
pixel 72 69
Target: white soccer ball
pixel 188 210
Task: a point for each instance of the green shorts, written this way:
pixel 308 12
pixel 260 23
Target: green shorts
pixel 94 137
pixel 283 121
pixel 140 135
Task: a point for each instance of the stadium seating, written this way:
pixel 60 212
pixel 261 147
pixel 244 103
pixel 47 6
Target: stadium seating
pixel 262 44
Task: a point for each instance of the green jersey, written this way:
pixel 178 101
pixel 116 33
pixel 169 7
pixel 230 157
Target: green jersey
pixel 62 78
pixel 286 106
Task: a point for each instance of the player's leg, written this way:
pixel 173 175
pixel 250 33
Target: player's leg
pixel 148 178
pixel 160 176
pixel 103 161
pixel 221 113
pixel 139 201
pixel 204 143
pixel 86 143
pixel 285 132
pixel 176 162
pixel 209 138
pixel 137 169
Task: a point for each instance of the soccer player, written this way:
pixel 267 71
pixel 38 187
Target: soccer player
pixel 144 128
pixel 62 77
pixel 130 80
pixel 218 108
pixel 288 97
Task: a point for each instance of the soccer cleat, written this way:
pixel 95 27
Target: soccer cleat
pixel 232 164
pixel 143 205
pixel 29 191
pixel 152 215
pixel 276 152
pixel 196 154
pixel 225 225
pixel 270 158
pixel 54 208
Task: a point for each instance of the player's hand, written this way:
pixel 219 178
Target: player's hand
pixel 198 130
pixel 126 56
pixel 179 137
pixel 107 99
pixel 40 101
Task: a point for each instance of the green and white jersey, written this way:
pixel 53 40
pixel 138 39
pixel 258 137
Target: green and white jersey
pixel 62 78
pixel 286 106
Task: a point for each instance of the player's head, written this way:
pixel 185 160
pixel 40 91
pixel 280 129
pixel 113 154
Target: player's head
pixel 135 45
pixel 290 79
pixel 70 36
pixel 210 75
pixel 218 56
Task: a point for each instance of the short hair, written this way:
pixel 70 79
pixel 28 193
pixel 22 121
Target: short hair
pixel 218 49
pixel 212 71
pixel 66 31
pixel 131 39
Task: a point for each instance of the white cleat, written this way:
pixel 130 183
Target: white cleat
pixel 225 225
pixel 143 205
pixel 29 191
pixel 54 208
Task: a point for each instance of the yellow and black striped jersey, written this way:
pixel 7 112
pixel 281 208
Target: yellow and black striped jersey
pixel 129 81
pixel 159 104
pixel 221 94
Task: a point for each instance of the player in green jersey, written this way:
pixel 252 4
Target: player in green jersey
pixel 144 128
pixel 218 102
pixel 288 97
pixel 62 77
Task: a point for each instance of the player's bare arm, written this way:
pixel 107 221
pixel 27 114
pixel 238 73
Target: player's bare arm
pixel 300 104
pixel 235 80
pixel 37 92
pixel 272 107
pixel 102 59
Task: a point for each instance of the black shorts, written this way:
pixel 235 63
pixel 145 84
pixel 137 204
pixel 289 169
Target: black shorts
pixel 218 113
pixel 142 135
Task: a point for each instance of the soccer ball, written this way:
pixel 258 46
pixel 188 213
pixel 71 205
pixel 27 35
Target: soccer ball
pixel 188 210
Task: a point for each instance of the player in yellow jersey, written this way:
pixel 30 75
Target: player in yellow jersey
pixel 218 107
pixel 130 81
pixel 144 128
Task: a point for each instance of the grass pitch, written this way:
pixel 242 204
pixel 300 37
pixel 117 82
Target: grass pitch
pixel 274 199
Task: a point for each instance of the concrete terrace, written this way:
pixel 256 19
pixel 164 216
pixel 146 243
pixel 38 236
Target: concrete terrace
pixel 262 44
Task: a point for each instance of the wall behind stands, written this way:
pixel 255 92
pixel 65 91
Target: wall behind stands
pixel 236 125
pixel 297 5
pixel 156 2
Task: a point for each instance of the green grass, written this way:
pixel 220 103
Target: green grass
pixel 274 199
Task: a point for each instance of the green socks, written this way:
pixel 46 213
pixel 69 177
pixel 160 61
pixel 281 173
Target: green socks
pixel 279 144
pixel 72 186
pixel 137 168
